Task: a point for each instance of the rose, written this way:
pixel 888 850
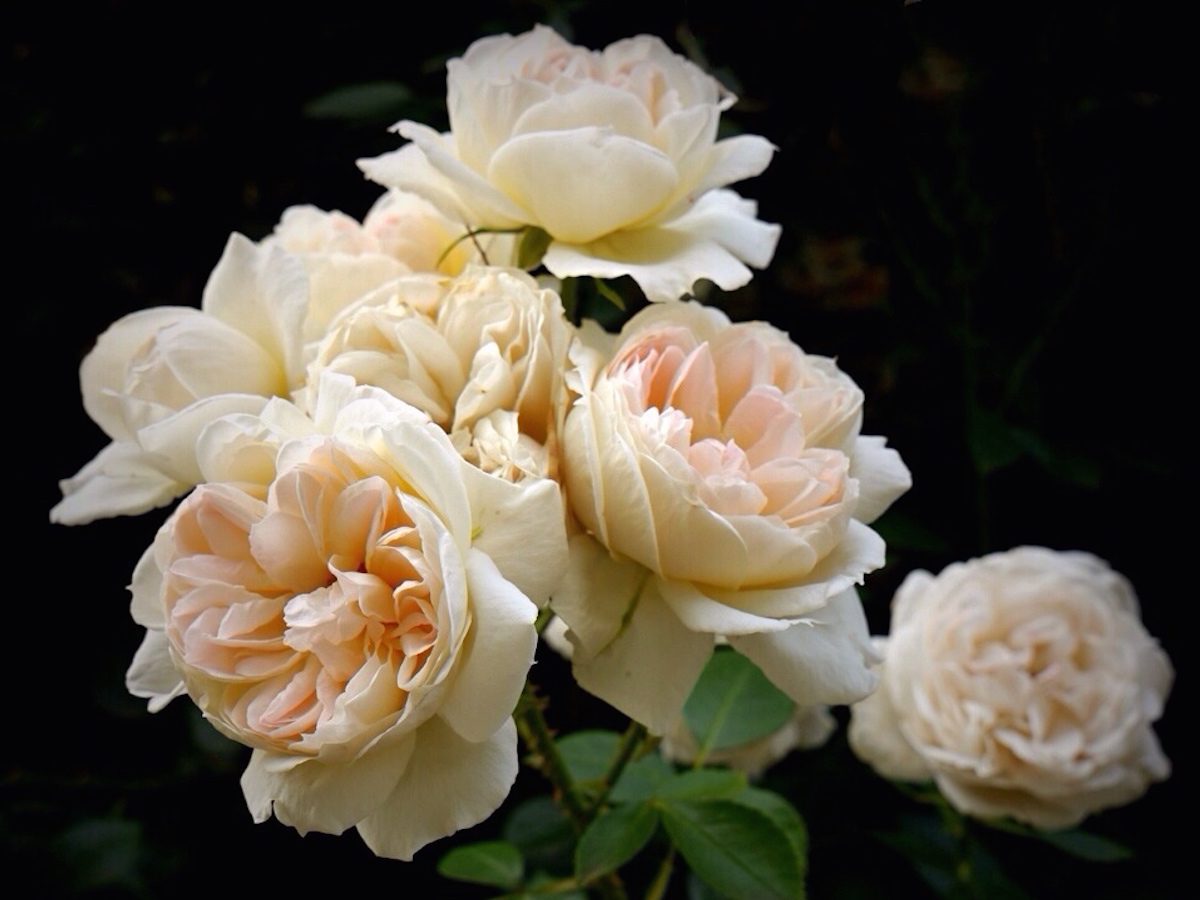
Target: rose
pixel 1024 684
pixel 486 364
pixel 612 153
pixel 158 376
pixel 351 599
pixel 721 478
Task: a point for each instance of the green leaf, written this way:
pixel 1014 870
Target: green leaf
pixel 371 101
pixel 641 779
pixel 703 784
pixel 541 832
pixel 533 246
pixel 1081 844
pixel 785 816
pixel 733 703
pixel 614 838
pixel 494 863
pixel 737 849
pixel 588 753
pixel 1091 847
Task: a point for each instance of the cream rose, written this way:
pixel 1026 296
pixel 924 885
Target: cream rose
pixel 486 363
pixel 612 153
pixel 1024 684
pixel 721 479
pixel 351 599
pixel 158 376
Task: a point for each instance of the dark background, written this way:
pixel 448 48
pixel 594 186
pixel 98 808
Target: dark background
pixel 979 205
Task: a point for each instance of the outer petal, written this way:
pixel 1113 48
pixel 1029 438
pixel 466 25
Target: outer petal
pixel 102 374
pixel 522 528
pixel 712 240
pixel 152 674
pixel 496 654
pixel 876 739
pixel 650 668
pixel 408 169
pixel 123 480
pixel 174 439
pixel 262 292
pixel 665 262
pixel 861 551
pixel 484 204
pixel 311 795
pixel 597 592
pixel 450 784
pixel 702 613
pixel 882 477
pixel 145 589
pixel 826 658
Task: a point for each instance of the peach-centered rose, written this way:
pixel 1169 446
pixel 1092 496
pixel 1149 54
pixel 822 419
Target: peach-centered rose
pixel 722 469
pixel 613 153
pixel 1024 684
pixel 346 602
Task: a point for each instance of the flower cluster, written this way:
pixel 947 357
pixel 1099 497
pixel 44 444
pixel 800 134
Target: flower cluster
pixel 400 454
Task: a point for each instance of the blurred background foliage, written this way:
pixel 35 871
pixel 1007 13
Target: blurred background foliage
pixel 980 210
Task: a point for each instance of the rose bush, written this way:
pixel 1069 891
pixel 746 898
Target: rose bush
pixel 612 153
pixel 351 599
pixel 724 487
pixel 1024 684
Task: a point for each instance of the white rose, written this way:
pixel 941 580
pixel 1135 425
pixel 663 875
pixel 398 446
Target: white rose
pixel 351 599
pixel 724 486
pixel 157 377
pixel 613 153
pixel 494 343
pixel 1024 684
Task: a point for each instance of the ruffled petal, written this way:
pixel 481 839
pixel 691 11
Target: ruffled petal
pixel 450 784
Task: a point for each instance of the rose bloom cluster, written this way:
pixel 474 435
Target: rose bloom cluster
pixel 394 447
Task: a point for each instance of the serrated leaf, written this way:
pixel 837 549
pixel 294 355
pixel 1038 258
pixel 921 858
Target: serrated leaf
pixel 370 101
pixel 588 753
pixel 541 832
pixel 614 837
pixel 738 850
pixel 494 863
pixel 533 246
pixel 641 779
pixel 733 703
pixel 703 784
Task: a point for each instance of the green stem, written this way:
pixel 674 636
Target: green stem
pixel 662 878
pixel 538 739
pixel 629 748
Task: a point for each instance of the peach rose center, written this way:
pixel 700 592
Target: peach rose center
pixel 720 408
pixel 286 610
